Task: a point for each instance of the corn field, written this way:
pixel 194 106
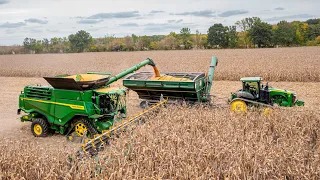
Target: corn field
pixel 282 64
pixel 181 142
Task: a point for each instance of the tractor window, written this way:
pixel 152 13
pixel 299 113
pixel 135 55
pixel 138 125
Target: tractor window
pixel 252 87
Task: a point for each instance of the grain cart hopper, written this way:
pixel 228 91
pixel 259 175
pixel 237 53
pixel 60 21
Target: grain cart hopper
pixel 83 103
pixel 254 93
pixel 186 86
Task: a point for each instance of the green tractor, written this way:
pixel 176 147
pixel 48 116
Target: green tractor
pixel 83 103
pixel 254 93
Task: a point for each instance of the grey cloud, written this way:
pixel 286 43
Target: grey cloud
pixel 51 30
pixel 205 13
pixel 77 17
pixel 129 24
pixel 93 29
pixel 12 25
pixel 4 1
pixel 175 21
pixel 89 21
pixel 279 9
pixel 35 30
pixel 179 21
pixel 34 20
pixel 296 16
pixel 233 13
pixel 10 31
pixel 156 12
pixel 127 14
pixel 151 27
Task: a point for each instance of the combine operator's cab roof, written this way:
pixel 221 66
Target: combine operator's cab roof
pixel 251 79
pixel 78 82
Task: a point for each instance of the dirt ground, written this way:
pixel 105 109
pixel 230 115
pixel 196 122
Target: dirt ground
pixel 11 87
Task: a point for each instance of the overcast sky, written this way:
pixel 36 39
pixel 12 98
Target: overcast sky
pixel 59 18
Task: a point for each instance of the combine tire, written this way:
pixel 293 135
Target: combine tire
pixel 84 127
pixel 39 127
pixel 238 106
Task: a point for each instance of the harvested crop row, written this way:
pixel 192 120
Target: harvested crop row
pixel 283 64
pixel 186 143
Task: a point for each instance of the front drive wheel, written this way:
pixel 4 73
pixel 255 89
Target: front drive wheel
pixel 83 127
pixel 238 106
pixel 39 127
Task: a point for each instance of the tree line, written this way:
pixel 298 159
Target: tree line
pixel 247 33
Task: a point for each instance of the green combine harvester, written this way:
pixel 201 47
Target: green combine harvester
pixel 83 103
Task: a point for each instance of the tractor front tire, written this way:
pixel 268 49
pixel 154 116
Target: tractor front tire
pixel 84 127
pixel 39 127
pixel 238 106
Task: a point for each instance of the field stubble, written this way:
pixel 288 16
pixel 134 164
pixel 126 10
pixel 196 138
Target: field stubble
pixel 283 64
pixel 185 143
pixel 181 142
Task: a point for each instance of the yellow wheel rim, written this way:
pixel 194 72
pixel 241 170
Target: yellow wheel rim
pixel 267 111
pixel 238 106
pixel 37 129
pixel 80 129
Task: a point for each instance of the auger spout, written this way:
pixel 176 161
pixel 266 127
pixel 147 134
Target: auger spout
pixel 134 68
pixel 214 63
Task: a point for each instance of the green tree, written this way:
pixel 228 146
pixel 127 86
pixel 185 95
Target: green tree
pixel 30 44
pixel 261 34
pixel 232 37
pixel 185 35
pixel 143 43
pixel 46 43
pixel 247 23
pixel 134 38
pixel 80 41
pixel 313 21
pixel 285 34
pixel 313 31
pixel 217 36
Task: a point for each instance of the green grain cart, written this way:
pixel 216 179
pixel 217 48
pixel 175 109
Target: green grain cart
pixel 183 86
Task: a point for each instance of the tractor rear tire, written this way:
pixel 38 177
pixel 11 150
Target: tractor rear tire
pixel 82 125
pixel 40 127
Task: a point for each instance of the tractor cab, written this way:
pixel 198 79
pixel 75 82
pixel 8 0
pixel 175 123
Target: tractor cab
pixel 251 85
pixel 254 86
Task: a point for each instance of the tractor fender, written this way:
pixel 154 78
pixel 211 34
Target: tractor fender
pixel 243 94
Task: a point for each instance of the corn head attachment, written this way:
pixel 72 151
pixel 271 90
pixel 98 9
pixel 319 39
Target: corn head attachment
pixel 93 146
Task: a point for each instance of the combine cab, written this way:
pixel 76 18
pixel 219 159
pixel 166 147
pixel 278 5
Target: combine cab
pixel 253 93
